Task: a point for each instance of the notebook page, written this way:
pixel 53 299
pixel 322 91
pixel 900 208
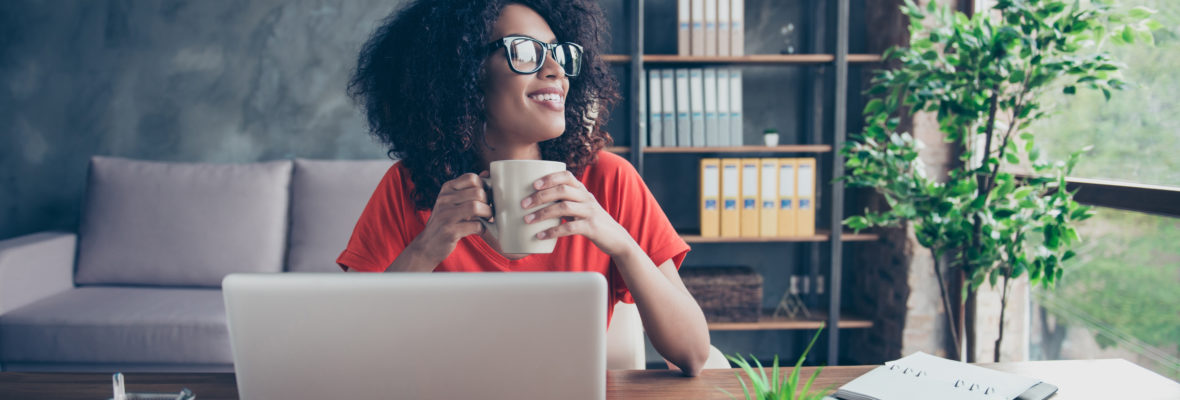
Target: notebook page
pixel 1005 385
pixel 921 376
pixel 883 383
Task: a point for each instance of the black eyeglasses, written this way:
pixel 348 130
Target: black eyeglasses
pixel 527 55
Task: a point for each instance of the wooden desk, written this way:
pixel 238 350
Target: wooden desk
pixel 1087 379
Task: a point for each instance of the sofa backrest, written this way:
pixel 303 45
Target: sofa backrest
pixel 327 198
pixel 179 224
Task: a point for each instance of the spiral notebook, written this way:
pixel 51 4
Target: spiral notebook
pixel 921 376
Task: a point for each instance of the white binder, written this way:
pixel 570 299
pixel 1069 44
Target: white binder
pixel 683 32
pixel 655 110
pixel 735 104
pixel 737 27
pixel 696 86
pixel 669 97
pixel 710 27
pixel 723 29
pixel 698 28
pixel 712 130
pixel 683 117
pixel 723 125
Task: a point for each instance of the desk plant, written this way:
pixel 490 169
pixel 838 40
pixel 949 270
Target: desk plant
pixel 772 388
pixel 985 77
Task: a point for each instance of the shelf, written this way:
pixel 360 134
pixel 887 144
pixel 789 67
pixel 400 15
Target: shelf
pixel 769 323
pixel 819 236
pixel 784 59
pixel 803 148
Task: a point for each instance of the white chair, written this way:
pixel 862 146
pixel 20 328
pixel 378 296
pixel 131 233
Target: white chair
pixel 625 348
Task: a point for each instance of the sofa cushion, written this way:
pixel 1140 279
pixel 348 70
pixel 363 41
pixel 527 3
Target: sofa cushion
pixel 119 324
pixel 327 198
pixel 180 224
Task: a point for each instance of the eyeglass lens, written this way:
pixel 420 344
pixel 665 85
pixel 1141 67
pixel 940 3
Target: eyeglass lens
pixel 526 56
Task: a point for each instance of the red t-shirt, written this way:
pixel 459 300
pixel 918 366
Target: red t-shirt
pixel 389 223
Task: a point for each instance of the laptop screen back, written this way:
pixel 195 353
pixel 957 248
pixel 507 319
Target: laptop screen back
pixel 418 336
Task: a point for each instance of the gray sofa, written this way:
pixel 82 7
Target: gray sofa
pixel 138 287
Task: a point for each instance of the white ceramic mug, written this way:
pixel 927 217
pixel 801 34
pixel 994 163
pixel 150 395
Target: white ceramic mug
pixel 509 183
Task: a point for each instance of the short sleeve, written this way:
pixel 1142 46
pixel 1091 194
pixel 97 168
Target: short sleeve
pixel 381 233
pixel 626 197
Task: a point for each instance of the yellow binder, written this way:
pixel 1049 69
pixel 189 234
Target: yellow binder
pixel 749 199
pixel 710 196
pixel 805 189
pixel 787 202
pixel 768 208
pixel 731 182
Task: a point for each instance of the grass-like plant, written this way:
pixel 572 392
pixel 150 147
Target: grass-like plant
pixel 763 387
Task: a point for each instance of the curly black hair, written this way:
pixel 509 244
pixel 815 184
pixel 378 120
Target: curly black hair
pixel 419 85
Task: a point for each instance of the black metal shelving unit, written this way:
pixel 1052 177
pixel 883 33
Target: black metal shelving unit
pixel 829 72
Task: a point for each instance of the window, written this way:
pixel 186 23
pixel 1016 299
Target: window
pixel 1118 298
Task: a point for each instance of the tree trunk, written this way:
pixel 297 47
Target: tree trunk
pixel 956 294
pixel 969 317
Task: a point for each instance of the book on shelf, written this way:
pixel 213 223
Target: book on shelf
pixel 712 130
pixel 737 138
pixel 684 19
pixel 655 109
pixel 723 125
pixel 710 197
pixel 723 9
pixel 786 197
pixel 669 98
pixel 805 190
pixel 683 118
pixel 768 196
pixel 696 91
pixel 698 28
pixel 711 28
pixel 731 175
pixel 737 27
pixel 921 376
pixel 749 207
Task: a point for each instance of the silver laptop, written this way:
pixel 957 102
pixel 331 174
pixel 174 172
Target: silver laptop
pixel 418 336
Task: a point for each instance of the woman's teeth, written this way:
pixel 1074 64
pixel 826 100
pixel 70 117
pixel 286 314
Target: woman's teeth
pixel 546 97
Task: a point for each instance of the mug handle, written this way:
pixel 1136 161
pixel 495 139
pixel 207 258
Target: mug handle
pixel 488 224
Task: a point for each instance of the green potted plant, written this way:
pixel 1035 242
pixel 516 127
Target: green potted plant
pixel 785 386
pixel 985 77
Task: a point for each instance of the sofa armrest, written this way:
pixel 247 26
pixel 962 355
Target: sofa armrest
pixel 36 266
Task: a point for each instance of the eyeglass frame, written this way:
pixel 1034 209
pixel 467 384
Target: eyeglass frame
pixel 548 49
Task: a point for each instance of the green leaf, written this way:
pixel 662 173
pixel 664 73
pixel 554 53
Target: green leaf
pixel 874 106
pixel 1016 77
pixel 1011 158
pixel 1070 89
pixel 1140 12
pixel 1023 192
pixel 1128 34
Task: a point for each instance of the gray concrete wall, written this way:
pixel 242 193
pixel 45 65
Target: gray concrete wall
pixel 176 80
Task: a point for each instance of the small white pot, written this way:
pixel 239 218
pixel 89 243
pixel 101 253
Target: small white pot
pixel 770 139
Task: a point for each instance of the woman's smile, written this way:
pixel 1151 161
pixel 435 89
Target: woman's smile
pixel 551 98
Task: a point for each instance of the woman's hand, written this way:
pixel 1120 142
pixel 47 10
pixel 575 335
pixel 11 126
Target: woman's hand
pixel 460 204
pixel 581 211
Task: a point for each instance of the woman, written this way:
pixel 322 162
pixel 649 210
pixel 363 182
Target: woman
pixel 449 87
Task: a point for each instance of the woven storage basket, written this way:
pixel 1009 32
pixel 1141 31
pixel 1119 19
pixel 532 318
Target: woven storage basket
pixel 726 294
